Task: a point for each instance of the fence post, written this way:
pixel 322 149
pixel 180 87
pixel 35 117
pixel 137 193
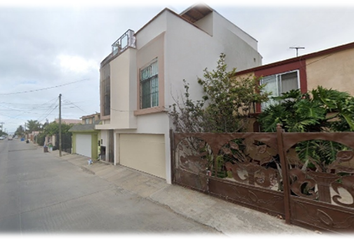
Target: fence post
pixel 285 175
pixel 172 152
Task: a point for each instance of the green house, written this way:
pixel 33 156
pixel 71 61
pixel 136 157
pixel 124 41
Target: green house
pixel 85 139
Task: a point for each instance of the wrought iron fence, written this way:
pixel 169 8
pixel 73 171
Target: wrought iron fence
pixel 307 178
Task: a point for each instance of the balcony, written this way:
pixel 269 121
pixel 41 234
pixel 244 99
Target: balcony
pixel 125 41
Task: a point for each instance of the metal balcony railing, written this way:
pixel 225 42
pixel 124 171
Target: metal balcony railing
pixel 125 41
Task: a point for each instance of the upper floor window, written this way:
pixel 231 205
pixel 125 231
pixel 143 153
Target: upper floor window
pixel 149 86
pixel 280 83
pixel 89 120
pixel 106 96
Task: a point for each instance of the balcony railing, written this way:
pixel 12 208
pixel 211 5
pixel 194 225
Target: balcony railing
pixel 125 41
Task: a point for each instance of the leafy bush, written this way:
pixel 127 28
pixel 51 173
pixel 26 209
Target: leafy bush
pixel 225 105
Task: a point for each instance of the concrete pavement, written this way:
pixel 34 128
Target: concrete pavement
pixel 223 216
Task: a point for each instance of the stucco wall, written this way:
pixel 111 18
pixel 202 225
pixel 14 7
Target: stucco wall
pixel 190 50
pixel 334 71
pixel 123 86
pixel 206 23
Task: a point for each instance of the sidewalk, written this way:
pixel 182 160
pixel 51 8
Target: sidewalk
pixel 221 215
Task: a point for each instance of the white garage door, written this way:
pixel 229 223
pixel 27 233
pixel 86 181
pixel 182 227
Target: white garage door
pixel 83 144
pixel 143 152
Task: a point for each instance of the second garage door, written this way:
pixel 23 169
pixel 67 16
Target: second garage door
pixel 83 144
pixel 143 152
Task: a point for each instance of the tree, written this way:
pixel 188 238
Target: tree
pixel 3 133
pixel 53 128
pixel 33 125
pixel 225 105
pixel 20 131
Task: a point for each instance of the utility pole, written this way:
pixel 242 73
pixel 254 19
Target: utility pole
pixel 60 125
pixel 297 48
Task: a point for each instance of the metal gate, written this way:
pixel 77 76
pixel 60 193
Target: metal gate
pixel 268 172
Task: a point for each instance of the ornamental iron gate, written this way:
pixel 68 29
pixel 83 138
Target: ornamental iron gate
pixel 307 178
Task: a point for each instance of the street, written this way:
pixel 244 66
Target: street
pixel 40 193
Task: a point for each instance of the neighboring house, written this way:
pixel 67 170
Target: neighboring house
pixel 52 139
pixel 143 76
pixel 33 135
pixel 85 137
pixel 330 68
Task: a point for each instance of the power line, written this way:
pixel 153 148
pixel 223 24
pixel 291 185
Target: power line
pixel 42 118
pixel 71 103
pixel 41 89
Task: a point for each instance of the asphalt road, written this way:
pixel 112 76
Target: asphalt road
pixel 39 193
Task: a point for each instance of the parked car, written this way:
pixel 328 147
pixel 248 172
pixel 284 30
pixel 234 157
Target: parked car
pixel 9 137
pixel 2 137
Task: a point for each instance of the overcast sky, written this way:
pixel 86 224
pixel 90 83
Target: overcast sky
pixel 50 48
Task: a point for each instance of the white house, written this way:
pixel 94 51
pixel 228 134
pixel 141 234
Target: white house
pixel 143 76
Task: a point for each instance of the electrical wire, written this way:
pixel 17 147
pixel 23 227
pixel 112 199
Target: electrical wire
pixel 41 89
pixel 71 103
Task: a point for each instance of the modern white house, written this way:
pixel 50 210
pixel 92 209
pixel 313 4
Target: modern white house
pixel 143 76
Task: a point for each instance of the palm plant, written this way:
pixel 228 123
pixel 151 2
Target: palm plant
pixel 323 110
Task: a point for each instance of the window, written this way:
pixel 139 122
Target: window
pixel 89 120
pixel 149 86
pixel 106 97
pixel 280 83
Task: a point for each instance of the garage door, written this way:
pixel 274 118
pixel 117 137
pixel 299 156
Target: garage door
pixel 143 152
pixel 83 144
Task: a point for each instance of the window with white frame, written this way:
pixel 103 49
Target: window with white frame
pixel 280 83
pixel 149 86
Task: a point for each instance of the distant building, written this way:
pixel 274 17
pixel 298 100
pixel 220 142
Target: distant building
pixel 68 121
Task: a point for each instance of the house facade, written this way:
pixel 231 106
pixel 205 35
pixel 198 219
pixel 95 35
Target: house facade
pixel 85 138
pixel 143 76
pixel 330 68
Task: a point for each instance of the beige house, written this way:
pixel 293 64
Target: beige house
pixel 143 76
pixel 330 68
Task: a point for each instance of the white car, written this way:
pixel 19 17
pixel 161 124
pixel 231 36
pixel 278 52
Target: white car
pixel 2 137
pixel 9 137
